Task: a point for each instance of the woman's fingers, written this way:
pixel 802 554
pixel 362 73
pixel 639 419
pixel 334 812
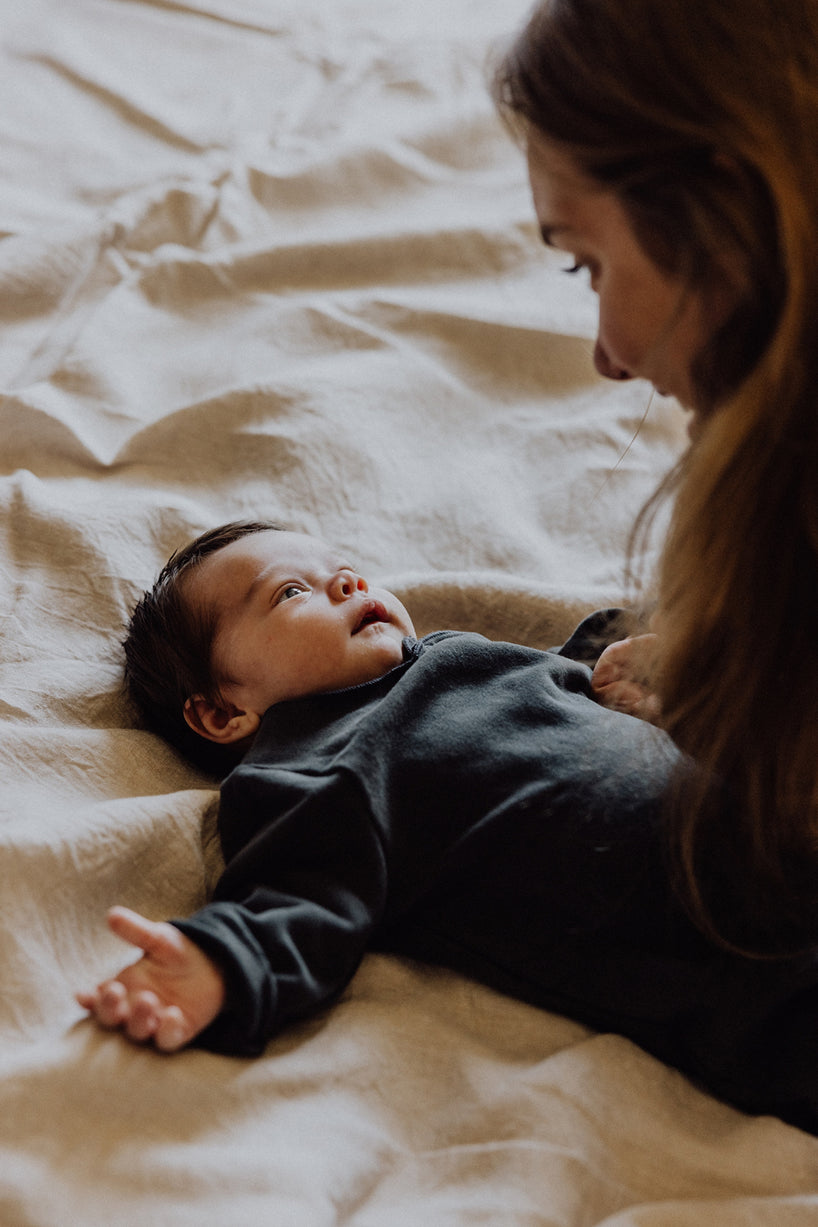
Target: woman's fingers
pixel 632 659
pixel 612 664
pixel 622 677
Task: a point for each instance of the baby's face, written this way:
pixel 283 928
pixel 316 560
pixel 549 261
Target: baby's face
pixel 294 620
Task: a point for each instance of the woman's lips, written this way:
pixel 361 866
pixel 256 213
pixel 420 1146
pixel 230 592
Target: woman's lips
pixel 373 611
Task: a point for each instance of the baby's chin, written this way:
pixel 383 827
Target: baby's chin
pixel 383 644
pixel 397 614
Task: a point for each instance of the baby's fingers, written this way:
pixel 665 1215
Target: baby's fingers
pixel 172 1032
pixel 108 1003
pixel 156 938
pixel 143 1018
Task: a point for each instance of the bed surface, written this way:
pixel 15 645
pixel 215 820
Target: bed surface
pixel 277 258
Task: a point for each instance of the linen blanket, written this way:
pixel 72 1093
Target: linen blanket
pixel 277 258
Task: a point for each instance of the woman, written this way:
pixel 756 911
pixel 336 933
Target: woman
pixel 673 152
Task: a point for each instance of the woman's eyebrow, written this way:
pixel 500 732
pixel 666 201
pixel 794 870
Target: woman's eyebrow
pixel 548 233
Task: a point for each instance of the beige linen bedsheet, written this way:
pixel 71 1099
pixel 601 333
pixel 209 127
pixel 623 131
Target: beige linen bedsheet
pixel 277 257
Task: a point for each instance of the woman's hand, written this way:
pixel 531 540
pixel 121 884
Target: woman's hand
pixel 621 678
pixel 168 996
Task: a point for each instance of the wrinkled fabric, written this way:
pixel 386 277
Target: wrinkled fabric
pixel 278 258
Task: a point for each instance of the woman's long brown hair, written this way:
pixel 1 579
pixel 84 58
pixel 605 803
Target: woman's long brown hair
pixel 702 117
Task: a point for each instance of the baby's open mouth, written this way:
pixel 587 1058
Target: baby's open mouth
pixel 373 611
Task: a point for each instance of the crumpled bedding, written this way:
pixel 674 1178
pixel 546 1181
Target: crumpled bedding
pixel 277 258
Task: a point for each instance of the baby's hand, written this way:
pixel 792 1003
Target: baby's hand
pixel 621 677
pixel 171 994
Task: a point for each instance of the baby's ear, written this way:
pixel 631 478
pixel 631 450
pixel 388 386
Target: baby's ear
pixel 220 724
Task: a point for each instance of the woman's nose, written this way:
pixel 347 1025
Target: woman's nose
pixel 607 368
pixel 345 584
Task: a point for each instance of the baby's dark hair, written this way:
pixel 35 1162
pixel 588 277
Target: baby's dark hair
pixel 168 648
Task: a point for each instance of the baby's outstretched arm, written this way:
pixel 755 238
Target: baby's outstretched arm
pixel 621 678
pixel 169 995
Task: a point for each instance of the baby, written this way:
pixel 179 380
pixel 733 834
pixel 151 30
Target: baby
pixel 276 616
pixel 450 798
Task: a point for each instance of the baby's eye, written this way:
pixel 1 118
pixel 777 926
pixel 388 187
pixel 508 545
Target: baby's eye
pixel 290 591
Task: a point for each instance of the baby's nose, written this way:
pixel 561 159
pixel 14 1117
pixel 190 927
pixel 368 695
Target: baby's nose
pixel 346 583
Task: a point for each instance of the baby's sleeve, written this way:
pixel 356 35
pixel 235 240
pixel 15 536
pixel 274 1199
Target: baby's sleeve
pixel 295 910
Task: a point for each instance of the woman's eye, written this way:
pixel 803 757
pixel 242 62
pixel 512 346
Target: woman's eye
pixel 585 266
